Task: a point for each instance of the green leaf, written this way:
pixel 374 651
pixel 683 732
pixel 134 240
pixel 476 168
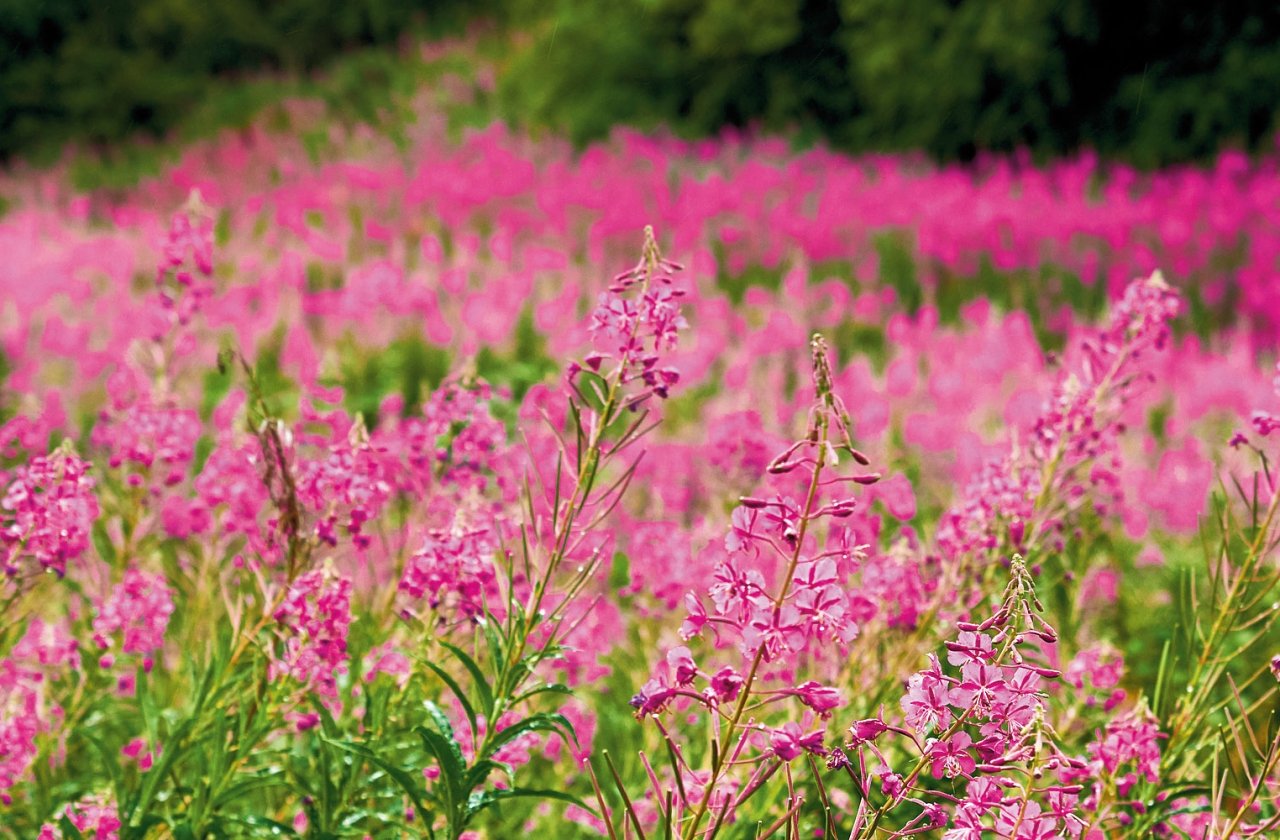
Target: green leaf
pixel 492 633
pixel 327 723
pixel 237 792
pixel 407 782
pixel 620 571
pixel 548 688
pixel 453 767
pixel 442 722
pixel 276 828
pixel 481 800
pixel 540 722
pixel 481 682
pixel 102 543
pixel 479 772
pixel 453 773
pixel 110 759
pixel 457 692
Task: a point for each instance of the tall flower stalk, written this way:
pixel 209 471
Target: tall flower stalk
pixel 633 328
pixel 775 599
pixel 1029 500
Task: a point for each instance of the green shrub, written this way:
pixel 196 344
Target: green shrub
pixel 1151 82
pixel 97 72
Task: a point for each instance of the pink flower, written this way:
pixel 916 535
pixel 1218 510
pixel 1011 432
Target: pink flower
pixel 26 716
pixel 347 487
pixel 635 323
pixel 1102 665
pixel 313 620
pixel 951 757
pixel 452 572
pixel 983 794
pixel 927 698
pixel 386 659
pixel 137 613
pixel 144 437
pixel 822 699
pixel 736 593
pixel 898 496
pixel 727 683
pixel 790 742
pixel 695 619
pixel 1024 821
pixel 866 731
pixel 681 662
pixel 46 513
pixel 981 686
pixel 1179 488
pixel 1130 740
pixel 1264 423
pixel 891 783
pixel 969 647
pixel 95 817
pixel 137 751
pixel 652 698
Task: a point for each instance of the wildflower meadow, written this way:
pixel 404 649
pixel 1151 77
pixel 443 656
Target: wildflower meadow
pixel 469 485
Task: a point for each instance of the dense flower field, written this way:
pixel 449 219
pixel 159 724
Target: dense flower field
pixel 360 495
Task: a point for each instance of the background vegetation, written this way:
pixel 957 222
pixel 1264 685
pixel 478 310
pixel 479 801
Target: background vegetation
pixel 1148 82
pixel 96 71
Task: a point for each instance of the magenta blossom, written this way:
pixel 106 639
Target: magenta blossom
pixel 46 513
pixel 791 741
pixel 822 699
pixel 950 757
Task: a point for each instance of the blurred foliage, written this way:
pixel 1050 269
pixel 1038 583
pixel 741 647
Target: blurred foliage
pixel 1153 83
pixel 97 71
pixel 373 86
pixel 1148 81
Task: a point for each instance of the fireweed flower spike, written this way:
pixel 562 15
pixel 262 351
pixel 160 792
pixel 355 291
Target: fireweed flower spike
pixel 1064 468
pixel 778 597
pixel 980 720
pixel 46 515
pixel 634 324
pixel 1071 454
pixel 523 606
pixel 184 285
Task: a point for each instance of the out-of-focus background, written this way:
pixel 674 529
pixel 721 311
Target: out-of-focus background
pixel 1150 83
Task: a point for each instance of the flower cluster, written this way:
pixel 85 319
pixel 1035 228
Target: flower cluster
pixel 1071 454
pixel 184 276
pixel 347 487
pixel 313 620
pixel 453 572
pixel 133 618
pixel 981 718
pixel 796 616
pixel 20 724
pixel 93 818
pixel 464 443
pixel 28 711
pixel 142 438
pixel 293 482
pixel 635 323
pixel 46 514
pixel 230 489
pixel 455 455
